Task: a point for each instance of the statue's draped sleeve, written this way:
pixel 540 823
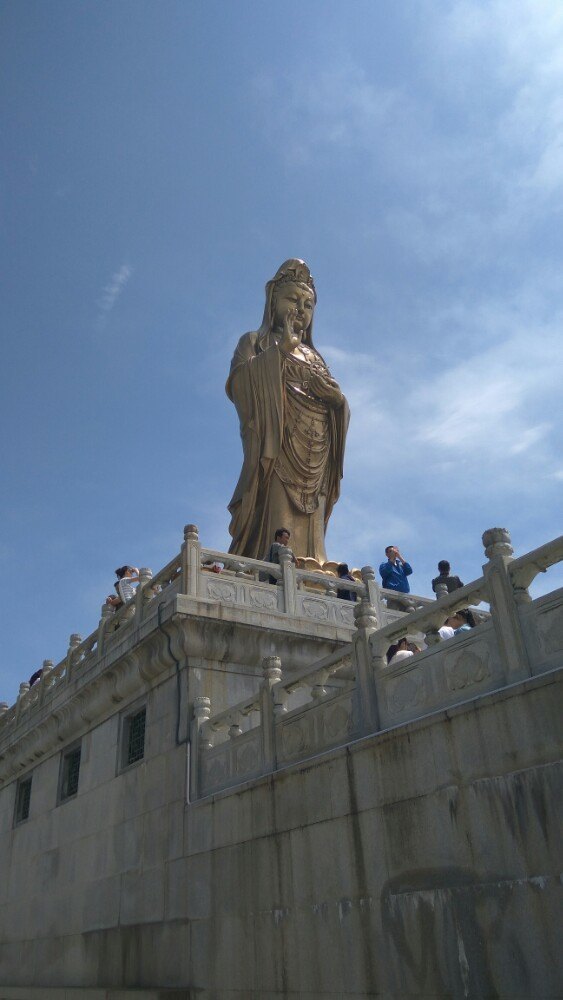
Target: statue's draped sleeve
pixel 339 420
pixel 255 386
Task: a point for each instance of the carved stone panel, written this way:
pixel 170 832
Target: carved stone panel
pixel 266 600
pixel 407 691
pixel 313 608
pixel 551 631
pixel 247 758
pixel 345 613
pixel 467 670
pixel 337 721
pixel 214 770
pixel 295 738
pixel 221 591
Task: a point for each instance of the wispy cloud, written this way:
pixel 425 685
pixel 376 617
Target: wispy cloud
pixel 324 111
pixel 488 414
pixel 112 291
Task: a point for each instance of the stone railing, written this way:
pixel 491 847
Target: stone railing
pixel 241 582
pixel 356 693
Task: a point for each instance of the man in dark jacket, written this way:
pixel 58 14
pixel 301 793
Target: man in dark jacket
pixel 445 580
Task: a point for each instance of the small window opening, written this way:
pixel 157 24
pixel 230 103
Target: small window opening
pixel 70 773
pixel 135 737
pixel 23 799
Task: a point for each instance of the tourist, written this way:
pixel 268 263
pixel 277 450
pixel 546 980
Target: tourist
pixel 127 577
pixel 35 677
pixel 394 573
pixel 461 621
pixel 281 541
pixel 400 651
pixel 445 580
pixel 344 574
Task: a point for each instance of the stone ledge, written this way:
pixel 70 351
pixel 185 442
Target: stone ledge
pixel 88 993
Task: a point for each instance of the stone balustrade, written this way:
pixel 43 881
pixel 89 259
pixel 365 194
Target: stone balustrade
pixel 356 693
pixel 520 638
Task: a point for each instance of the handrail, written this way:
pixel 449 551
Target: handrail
pixel 426 621
pixel 524 569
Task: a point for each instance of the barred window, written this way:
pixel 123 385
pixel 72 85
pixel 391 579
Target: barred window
pixel 136 736
pixel 133 737
pixel 69 773
pixel 23 799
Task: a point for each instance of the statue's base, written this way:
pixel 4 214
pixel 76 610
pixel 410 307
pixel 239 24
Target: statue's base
pixel 328 568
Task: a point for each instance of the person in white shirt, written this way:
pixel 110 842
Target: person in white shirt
pixel 127 580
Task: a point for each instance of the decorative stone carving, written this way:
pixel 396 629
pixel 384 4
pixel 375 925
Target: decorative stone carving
pixel 346 613
pixel 214 771
pixel 247 759
pixel 294 738
pixel 272 669
pixel 338 721
pixel 263 599
pixel 221 591
pixel 365 616
pixel 552 637
pixel 313 608
pixel 467 670
pixel 497 542
pixel 406 692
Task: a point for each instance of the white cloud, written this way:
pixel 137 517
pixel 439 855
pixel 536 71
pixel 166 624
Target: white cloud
pixel 483 414
pixel 112 291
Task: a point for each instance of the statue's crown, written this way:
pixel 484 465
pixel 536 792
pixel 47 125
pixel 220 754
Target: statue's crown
pixel 295 271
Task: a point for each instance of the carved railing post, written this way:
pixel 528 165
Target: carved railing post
pixel 288 580
pixel 106 615
pixel 202 711
pixel 45 681
pixel 3 708
pixel 191 560
pixel 441 590
pixel 365 615
pixel 141 595
pixel 373 592
pixel 272 673
pixel 235 728
pixel 20 703
pixel 504 610
pixel 73 642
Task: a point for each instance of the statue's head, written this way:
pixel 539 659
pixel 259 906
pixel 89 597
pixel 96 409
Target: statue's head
pixel 293 274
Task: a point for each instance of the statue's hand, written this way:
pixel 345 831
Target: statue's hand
pixel 327 389
pixel 292 332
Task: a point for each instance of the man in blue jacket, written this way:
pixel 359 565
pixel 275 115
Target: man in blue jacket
pixel 394 575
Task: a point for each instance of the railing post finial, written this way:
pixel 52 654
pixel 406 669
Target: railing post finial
pixel 497 542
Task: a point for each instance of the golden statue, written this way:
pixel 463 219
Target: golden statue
pixel 293 423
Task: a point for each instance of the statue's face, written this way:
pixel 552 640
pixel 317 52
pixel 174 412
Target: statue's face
pixel 297 298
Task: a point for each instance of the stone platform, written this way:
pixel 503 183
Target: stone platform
pixel 223 800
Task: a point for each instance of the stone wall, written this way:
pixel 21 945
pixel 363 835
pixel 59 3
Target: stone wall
pixel 421 861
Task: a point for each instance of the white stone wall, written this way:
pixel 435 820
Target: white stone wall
pixel 418 861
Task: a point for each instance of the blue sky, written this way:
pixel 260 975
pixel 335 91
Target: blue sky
pixel 159 161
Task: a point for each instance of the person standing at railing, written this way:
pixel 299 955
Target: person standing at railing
pixel 445 580
pixel 127 580
pixel 394 573
pixel 281 541
pixel 344 574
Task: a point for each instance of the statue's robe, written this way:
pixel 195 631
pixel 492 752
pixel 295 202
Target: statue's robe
pixel 293 446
